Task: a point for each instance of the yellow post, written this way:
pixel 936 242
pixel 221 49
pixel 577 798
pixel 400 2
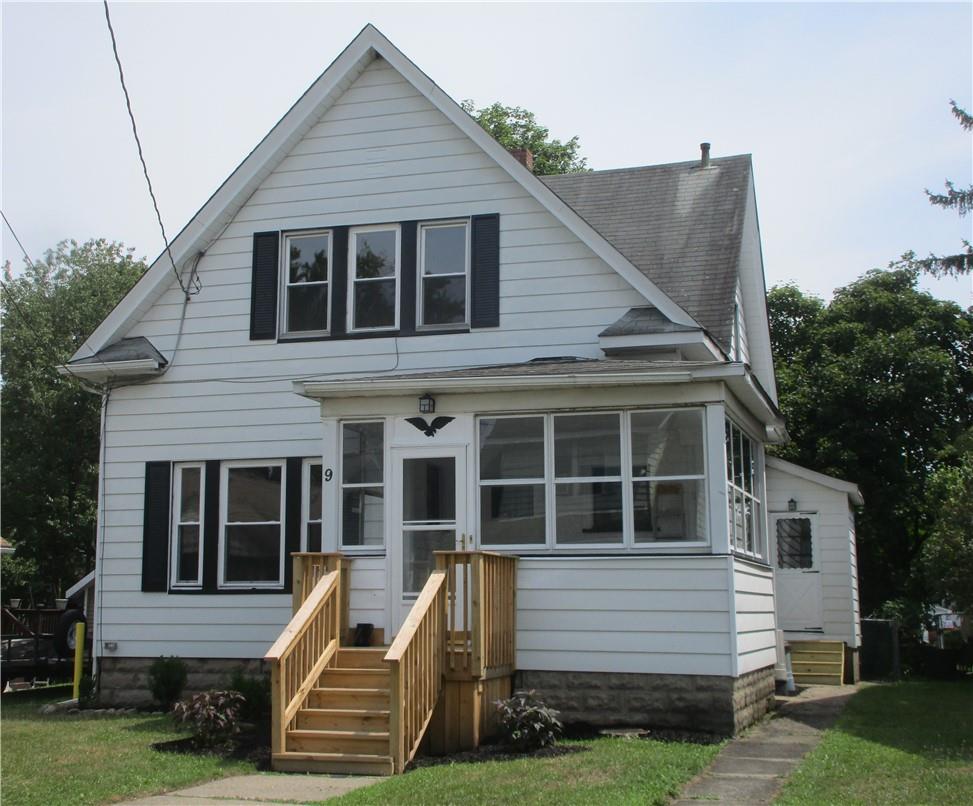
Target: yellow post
pixel 78 656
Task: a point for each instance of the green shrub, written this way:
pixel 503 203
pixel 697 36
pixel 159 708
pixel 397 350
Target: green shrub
pixel 87 692
pixel 256 695
pixel 526 723
pixel 213 716
pixel 167 679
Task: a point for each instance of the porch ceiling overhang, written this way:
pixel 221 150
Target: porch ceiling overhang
pixel 557 374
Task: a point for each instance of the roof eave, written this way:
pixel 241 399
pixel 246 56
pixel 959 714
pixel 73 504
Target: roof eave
pixel 102 371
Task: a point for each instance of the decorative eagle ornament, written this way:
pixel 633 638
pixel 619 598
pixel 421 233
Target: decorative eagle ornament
pixel 429 429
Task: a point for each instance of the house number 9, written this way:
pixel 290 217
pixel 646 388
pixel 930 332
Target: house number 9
pixel 328 474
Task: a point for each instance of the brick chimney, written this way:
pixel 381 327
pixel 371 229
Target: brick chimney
pixel 524 157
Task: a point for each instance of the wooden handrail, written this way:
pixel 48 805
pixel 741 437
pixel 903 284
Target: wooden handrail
pixel 416 662
pixel 302 652
pixel 309 567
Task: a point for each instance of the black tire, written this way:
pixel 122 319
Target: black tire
pixel 64 632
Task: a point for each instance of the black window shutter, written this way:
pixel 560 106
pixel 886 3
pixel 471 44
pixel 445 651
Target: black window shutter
pixel 263 289
pixel 339 279
pixel 211 527
pixel 292 517
pixel 155 528
pixel 485 268
pixel 409 256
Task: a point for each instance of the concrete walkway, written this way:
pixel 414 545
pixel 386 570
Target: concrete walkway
pixel 751 769
pixel 260 790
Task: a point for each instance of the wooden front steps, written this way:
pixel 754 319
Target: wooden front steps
pixel 343 727
pixel 818 662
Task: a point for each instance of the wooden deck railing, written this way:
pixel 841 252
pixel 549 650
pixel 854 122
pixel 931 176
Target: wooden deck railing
pixel 416 661
pixel 481 627
pixel 309 567
pixel 305 648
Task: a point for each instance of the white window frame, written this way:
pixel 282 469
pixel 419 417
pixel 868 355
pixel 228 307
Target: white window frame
pixel 757 498
pixel 703 487
pixel 353 233
pixel 421 275
pixel 286 284
pixel 341 487
pixel 306 518
pixel 545 480
pixel 224 508
pixel 176 521
pixel 628 543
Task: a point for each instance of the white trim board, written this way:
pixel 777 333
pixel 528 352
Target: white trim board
pixel 842 486
pixel 230 197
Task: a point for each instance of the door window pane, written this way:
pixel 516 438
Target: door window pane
pixel 363 516
pixel 589 512
pixel 512 448
pixel 794 548
pixel 669 511
pixel 587 445
pixel 667 443
pixel 429 489
pixel 512 514
pixel 418 561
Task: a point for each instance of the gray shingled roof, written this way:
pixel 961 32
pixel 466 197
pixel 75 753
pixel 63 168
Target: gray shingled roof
pixel 132 349
pixel 679 224
pixel 647 319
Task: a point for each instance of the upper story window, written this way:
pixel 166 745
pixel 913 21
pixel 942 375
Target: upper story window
pixel 186 562
pixel 252 524
pixel 373 269
pixel 307 279
pixel 444 262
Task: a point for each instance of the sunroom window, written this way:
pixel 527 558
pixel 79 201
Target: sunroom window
pixel 252 538
pixel 307 276
pixel 743 492
pixel 512 483
pixel 362 484
pixel 374 273
pixel 443 272
pixel 186 560
pixel 587 479
pixel 668 476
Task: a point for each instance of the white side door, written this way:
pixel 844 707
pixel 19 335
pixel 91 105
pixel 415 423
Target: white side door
pixel 428 510
pixel 797 571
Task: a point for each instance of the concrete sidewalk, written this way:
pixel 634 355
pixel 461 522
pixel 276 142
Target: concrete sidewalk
pixel 751 769
pixel 260 790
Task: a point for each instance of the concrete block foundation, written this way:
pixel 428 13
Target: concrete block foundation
pixel 125 681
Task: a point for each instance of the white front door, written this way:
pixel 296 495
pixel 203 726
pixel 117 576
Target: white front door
pixel 428 514
pixel 798 573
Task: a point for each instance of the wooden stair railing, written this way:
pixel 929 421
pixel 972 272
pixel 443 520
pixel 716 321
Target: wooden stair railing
pixel 416 662
pixel 302 652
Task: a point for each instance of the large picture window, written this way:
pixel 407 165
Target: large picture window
pixel 443 274
pixel 743 492
pixel 373 288
pixel 186 560
pixel 362 484
pixel 306 275
pixel 252 534
pixel 612 479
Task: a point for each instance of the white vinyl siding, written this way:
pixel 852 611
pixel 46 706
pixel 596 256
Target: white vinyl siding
pixel 381 153
pixel 753 604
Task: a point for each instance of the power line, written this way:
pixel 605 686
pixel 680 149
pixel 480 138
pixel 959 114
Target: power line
pixel 145 169
pixel 14 233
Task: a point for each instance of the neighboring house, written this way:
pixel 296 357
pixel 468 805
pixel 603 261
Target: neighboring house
pixel 590 359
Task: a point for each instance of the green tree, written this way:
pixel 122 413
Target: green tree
pixel 962 202
pixel 50 437
pixel 515 127
pixel 947 555
pixel 876 387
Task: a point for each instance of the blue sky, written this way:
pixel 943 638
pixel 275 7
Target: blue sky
pixel 843 106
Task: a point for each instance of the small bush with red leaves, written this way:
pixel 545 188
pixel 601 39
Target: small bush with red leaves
pixel 213 716
pixel 526 724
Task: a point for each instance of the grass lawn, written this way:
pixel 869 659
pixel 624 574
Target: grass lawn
pixel 899 743
pixel 78 759
pixel 608 771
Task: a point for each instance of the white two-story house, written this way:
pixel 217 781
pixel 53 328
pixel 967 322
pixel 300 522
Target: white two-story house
pixel 383 336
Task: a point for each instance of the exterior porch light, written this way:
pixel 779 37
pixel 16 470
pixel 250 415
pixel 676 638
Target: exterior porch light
pixel 792 505
pixel 427 404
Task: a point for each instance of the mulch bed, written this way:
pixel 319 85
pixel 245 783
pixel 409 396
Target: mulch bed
pixel 249 745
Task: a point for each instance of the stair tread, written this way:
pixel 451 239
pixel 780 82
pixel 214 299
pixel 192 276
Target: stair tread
pixel 346 711
pixel 346 690
pixel 312 756
pixel 333 733
pixel 366 670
